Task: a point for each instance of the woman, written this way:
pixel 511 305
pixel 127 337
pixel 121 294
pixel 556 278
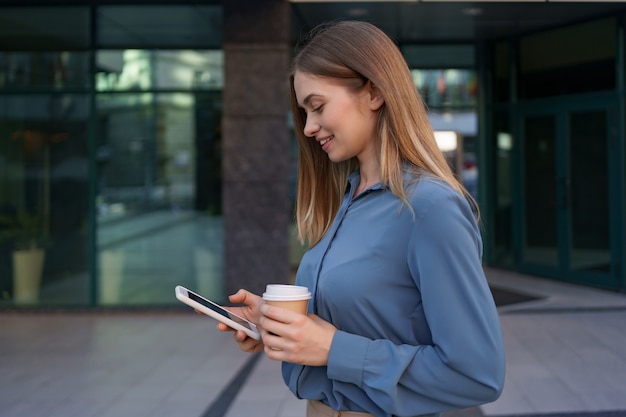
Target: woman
pixel 402 322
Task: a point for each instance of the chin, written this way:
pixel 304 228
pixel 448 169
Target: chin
pixel 337 158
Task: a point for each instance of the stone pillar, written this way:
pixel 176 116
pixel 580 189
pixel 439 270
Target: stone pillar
pixel 256 144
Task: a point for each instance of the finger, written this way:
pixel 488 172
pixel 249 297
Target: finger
pixel 251 345
pixel 280 314
pixel 238 297
pixel 275 353
pixel 245 297
pixel 272 340
pixel 240 336
pixel 224 328
pixel 279 328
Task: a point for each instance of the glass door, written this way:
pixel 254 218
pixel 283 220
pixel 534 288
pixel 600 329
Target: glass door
pixel 565 193
pixel 540 231
pixel 587 194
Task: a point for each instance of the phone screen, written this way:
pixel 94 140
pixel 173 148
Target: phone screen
pixel 219 310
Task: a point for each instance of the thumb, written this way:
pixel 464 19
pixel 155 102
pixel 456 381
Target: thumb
pixel 239 297
pixel 245 297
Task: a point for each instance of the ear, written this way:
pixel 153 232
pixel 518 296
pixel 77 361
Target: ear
pixel 376 97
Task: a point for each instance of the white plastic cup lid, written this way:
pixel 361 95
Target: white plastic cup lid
pixel 284 292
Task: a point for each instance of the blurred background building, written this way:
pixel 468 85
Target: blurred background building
pixel 146 144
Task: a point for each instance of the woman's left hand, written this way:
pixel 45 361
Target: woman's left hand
pixel 296 338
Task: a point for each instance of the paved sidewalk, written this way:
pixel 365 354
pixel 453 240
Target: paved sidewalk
pixel 566 352
pixel 566 355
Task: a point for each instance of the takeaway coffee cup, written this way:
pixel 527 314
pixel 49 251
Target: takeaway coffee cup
pixel 292 297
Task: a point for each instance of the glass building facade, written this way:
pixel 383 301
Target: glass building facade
pixel 557 153
pixel 113 153
pixel 110 178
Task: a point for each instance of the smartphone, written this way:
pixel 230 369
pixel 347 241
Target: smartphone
pixel 217 312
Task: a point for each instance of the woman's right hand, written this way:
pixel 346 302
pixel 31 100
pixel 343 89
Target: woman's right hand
pixel 249 312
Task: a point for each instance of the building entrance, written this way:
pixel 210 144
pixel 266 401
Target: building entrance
pixel 567 222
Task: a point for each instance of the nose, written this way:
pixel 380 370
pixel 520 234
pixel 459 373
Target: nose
pixel 310 127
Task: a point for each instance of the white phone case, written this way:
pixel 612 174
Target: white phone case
pixel 217 312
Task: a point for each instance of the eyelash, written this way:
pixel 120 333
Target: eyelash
pixel 317 109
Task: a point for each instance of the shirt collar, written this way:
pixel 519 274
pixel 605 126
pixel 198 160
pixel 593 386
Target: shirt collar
pixel 353 180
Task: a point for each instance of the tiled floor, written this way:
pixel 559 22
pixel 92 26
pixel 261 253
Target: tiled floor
pixel 566 353
pixel 112 364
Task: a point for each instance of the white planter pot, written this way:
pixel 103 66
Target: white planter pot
pixel 111 275
pixel 27 270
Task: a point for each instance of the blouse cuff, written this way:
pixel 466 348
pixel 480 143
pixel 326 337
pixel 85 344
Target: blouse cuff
pixel 346 358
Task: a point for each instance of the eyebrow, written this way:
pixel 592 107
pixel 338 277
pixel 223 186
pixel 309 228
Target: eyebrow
pixel 308 99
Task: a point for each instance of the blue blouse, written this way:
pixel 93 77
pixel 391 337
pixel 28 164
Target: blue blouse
pixel 418 331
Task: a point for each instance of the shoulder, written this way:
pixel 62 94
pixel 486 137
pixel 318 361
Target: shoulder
pixel 436 204
pixel 427 189
pixel 442 215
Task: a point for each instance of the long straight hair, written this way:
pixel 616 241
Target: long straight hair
pixel 357 52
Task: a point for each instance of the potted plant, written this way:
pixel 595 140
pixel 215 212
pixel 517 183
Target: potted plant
pixel 28 233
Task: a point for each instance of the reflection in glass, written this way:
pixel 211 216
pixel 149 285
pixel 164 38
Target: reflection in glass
pixel 146 154
pixel 449 88
pixel 133 69
pixel 39 70
pixel 158 196
pixel 450 95
pixel 44 199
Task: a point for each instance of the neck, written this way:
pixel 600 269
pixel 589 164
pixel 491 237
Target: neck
pixel 370 175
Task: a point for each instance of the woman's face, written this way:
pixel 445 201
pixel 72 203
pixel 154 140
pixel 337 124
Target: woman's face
pixel 341 120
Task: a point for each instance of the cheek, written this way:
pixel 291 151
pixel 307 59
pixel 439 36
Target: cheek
pixel 367 123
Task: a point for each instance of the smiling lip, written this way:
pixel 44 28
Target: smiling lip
pixel 325 141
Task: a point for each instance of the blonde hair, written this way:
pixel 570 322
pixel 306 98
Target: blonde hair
pixel 357 51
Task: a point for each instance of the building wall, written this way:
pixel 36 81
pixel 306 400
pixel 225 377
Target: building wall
pixel 256 158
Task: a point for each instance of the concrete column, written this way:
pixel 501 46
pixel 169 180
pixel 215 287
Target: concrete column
pixel 256 142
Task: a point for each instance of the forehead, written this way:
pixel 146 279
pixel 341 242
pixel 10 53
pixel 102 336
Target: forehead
pixel 302 78
pixel 307 85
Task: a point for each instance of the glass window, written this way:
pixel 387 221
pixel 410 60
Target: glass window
pixel 44 199
pixel 450 95
pixel 571 60
pixel 44 28
pixel 439 56
pixel 501 72
pixel 502 146
pixel 190 26
pixel 446 88
pixel 158 196
pixel 155 140
pixel 135 69
pixel 44 70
